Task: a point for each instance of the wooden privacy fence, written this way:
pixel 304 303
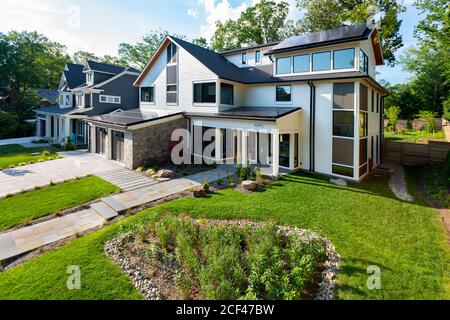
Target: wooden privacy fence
pixel 413 154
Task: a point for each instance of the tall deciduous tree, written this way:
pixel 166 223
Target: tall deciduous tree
pixel 328 14
pixel 139 54
pixel 29 60
pixel 80 57
pixel 264 22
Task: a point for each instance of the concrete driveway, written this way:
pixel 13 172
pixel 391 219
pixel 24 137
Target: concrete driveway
pixel 74 164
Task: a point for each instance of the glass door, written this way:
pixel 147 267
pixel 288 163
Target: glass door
pixel 285 150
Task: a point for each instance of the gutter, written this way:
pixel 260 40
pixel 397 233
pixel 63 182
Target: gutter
pixel 312 126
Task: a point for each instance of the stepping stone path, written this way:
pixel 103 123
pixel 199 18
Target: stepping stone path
pixel 126 180
pixel 21 241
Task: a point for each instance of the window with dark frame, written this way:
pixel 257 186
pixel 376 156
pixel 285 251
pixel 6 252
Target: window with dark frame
pixel 244 58
pixel 172 53
pixel 283 94
pixel 258 56
pixel 205 92
pixel 363 62
pixel 147 94
pixel 226 94
pixel 373 101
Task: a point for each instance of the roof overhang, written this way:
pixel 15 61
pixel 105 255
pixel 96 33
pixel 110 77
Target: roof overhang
pixel 248 113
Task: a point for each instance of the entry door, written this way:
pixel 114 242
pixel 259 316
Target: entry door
pixel 118 139
pixel 100 140
pixel 285 150
pixel 42 128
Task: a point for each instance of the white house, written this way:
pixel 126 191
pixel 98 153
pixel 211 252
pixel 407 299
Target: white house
pixel 309 102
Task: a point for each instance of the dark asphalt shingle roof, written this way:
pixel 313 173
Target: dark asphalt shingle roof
pixel 74 76
pixel 342 34
pixel 49 94
pixel 249 113
pixel 55 109
pixel 133 117
pixel 108 68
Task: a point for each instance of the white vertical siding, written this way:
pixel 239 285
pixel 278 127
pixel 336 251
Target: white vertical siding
pixel 324 128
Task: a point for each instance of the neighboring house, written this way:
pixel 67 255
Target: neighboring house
pixel 86 90
pixel 48 96
pixel 309 102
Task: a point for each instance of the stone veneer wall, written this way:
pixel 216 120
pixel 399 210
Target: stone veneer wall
pixel 149 142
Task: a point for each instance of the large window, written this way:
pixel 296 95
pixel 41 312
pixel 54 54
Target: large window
pixel 343 129
pixel 343 124
pixel 321 61
pixel 147 94
pixel 363 124
pixel 363 62
pixel 284 94
pixel 172 53
pixel 363 98
pixel 301 63
pixel 284 65
pixel 205 92
pixel 226 94
pixel 171 94
pixel 344 59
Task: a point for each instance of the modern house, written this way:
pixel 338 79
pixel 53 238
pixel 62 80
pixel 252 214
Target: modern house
pixel 309 102
pixel 86 90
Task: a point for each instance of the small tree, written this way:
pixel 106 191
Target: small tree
pixel 392 114
pixel 430 118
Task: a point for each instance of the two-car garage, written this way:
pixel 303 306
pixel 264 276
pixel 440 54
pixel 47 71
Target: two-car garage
pixel 110 143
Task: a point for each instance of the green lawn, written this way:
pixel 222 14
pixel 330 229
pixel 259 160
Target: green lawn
pixel 38 203
pixel 367 225
pixel 14 155
pixel 415 136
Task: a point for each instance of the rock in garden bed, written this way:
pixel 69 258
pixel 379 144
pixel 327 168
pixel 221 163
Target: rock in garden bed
pixel 172 258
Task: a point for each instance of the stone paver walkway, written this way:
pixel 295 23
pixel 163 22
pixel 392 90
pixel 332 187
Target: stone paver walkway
pixel 132 199
pixel 74 164
pixel 20 241
pixel 14 243
pixel 126 180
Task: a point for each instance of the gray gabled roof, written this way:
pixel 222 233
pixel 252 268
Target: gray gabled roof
pixel 108 68
pixel 339 35
pixel 74 75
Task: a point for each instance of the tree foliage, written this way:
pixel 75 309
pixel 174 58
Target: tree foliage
pixel 328 14
pixel 80 57
pixel 264 22
pixel 392 114
pixel 139 54
pixel 28 60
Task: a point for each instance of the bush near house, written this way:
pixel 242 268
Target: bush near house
pixel 11 127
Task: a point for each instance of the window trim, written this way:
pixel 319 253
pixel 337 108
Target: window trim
pixel 107 97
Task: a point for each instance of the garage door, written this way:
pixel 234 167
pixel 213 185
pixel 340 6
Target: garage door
pixel 118 139
pixel 100 139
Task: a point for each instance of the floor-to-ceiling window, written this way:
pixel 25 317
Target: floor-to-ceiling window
pixel 343 129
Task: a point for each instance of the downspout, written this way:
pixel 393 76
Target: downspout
pixel 312 126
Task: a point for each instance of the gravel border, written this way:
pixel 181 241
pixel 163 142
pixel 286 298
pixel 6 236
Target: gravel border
pixel 327 286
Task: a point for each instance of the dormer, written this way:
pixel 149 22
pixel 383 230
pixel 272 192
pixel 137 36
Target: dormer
pixel 90 74
pixel 250 56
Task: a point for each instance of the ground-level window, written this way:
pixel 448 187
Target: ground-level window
pixel 110 99
pixel 205 92
pixel 147 94
pixel 296 149
pixel 285 150
pixel 283 94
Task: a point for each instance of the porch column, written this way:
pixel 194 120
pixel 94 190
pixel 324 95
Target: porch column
pixel 48 126
pixel 244 143
pixel 67 127
pixel 219 146
pixel 276 153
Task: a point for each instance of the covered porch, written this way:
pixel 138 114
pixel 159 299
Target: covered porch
pixel 268 138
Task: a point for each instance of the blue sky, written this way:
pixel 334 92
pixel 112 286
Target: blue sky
pixel 99 26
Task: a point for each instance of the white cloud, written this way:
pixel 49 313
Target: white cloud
pixel 221 10
pixel 192 13
pixel 43 16
pixel 218 11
